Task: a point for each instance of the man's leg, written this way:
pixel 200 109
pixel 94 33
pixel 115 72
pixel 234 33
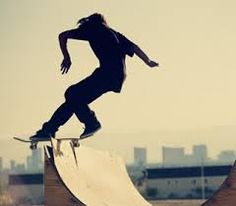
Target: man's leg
pixel 79 96
pixel 88 117
pixel 59 118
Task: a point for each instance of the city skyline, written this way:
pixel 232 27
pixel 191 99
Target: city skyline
pixel 176 156
pixel 123 143
pixel 32 163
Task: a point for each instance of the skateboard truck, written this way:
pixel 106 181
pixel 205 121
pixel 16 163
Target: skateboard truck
pixel 33 145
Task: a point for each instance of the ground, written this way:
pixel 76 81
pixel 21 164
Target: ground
pixel 177 203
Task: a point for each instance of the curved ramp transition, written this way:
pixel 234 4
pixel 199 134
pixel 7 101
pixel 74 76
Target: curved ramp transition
pixel 95 178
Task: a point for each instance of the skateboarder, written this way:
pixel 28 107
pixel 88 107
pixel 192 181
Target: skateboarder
pixel 111 48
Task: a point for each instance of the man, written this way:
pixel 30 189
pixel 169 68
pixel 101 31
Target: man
pixel 111 48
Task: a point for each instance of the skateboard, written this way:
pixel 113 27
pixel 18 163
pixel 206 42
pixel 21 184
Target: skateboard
pixel 34 143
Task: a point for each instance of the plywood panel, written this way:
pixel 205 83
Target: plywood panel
pixel 99 178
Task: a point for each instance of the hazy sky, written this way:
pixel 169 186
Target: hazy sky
pixel 194 87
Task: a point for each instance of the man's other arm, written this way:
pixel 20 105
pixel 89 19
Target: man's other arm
pixel 141 54
pixel 63 38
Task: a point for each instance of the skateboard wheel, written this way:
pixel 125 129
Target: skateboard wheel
pixel 33 146
pixel 76 143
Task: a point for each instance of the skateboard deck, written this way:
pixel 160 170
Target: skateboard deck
pixel 34 143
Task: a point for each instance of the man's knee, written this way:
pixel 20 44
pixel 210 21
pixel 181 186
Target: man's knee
pixel 70 93
pixel 74 95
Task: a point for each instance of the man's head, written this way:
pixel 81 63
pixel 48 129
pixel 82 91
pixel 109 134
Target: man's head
pixel 94 19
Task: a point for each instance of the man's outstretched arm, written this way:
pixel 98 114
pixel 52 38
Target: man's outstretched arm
pixel 140 53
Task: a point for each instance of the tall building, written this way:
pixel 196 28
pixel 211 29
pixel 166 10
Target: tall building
pixel 140 156
pixel 12 165
pixel 1 164
pixel 200 154
pixel 35 161
pixel 173 156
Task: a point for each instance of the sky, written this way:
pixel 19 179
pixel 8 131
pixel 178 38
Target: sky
pixel 190 99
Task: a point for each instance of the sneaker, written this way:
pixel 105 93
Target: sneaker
pixel 42 135
pixel 90 130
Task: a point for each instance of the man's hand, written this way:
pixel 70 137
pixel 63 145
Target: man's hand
pixel 65 65
pixel 140 53
pixel 151 64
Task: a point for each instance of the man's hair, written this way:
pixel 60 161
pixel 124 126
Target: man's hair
pixel 95 19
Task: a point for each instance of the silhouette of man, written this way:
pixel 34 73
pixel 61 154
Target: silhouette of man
pixel 111 48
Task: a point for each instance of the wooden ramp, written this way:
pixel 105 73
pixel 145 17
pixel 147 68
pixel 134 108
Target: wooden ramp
pixel 85 176
pixel 226 194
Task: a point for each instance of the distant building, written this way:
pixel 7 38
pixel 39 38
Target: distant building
pixel 35 161
pixel 140 156
pixel 173 156
pixel 184 182
pixel 176 156
pixel 200 154
pixel 227 156
pixel 12 165
pixel 19 168
pixel 1 164
pixel 16 168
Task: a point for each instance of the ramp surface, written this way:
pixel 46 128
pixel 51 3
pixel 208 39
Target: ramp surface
pixel 95 177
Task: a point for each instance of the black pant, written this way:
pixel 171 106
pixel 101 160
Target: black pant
pixel 77 98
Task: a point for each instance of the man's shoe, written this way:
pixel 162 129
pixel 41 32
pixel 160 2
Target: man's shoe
pixel 42 135
pixel 90 130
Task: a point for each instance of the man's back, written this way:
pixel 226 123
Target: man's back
pixel 105 44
